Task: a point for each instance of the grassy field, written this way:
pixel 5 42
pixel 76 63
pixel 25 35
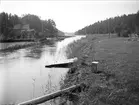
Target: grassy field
pixel 117 82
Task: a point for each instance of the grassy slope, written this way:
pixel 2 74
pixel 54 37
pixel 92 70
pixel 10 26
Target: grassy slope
pixel 118 84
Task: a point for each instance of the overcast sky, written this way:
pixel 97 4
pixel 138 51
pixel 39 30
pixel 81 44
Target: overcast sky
pixel 71 15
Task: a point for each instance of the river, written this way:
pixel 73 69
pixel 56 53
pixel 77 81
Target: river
pixel 23 75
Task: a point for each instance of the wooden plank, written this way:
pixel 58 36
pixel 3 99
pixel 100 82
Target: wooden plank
pixel 47 97
pixel 60 65
pixel 66 64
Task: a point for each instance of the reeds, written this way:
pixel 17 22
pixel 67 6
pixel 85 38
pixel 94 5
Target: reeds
pixel 18 46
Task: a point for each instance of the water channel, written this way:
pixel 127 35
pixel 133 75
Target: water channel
pixel 23 75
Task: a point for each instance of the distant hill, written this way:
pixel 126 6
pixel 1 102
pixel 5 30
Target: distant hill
pixel 117 24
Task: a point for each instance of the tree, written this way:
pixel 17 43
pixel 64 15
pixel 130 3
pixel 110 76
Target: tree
pixel 50 27
pixel 115 24
pixel 137 19
pixel 137 23
pixel 7 22
pixel 33 20
pixel 118 30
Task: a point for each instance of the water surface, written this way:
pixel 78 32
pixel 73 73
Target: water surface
pixel 23 75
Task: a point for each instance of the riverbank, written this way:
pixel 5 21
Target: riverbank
pixel 9 41
pixel 117 79
pixel 18 46
pixel 23 44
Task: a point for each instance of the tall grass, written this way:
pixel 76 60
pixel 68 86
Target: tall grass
pixel 49 87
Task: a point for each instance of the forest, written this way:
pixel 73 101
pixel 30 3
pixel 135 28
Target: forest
pixel 42 28
pixel 122 25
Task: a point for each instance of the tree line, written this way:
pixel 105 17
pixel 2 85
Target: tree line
pixel 45 27
pixel 120 25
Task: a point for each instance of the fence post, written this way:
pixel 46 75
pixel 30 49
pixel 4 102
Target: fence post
pixel 94 66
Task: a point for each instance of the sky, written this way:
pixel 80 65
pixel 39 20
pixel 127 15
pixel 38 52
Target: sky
pixel 71 15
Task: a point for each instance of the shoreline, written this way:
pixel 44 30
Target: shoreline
pixel 117 74
pixel 33 40
pixel 18 46
pixel 11 41
pixel 28 43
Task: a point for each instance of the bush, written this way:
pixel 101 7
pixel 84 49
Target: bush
pixel 118 34
pixel 125 33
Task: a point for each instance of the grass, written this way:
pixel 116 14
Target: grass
pixel 18 46
pixel 118 81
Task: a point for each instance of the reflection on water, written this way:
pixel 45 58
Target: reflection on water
pixel 34 52
pixel 23 75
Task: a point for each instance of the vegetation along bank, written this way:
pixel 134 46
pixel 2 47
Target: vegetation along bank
pixel 116 81
pixel 28 27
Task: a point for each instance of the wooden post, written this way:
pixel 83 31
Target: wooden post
pixel 47 97
pixel 94 66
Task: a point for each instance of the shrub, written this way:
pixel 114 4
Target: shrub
pixel 125 33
